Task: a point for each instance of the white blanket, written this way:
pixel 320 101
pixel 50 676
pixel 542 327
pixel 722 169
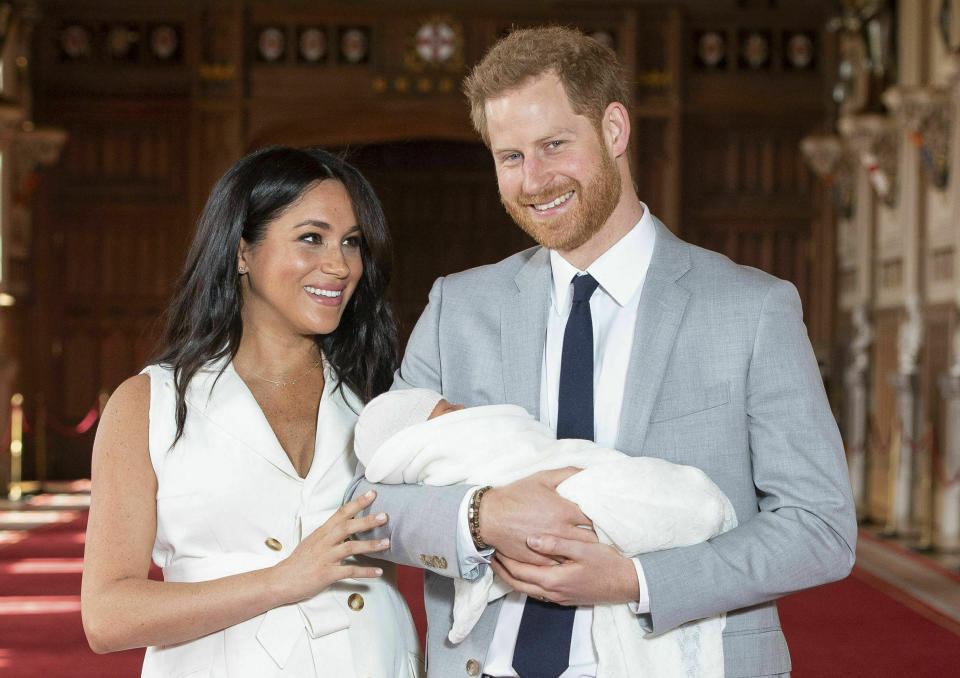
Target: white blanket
pixel 637 505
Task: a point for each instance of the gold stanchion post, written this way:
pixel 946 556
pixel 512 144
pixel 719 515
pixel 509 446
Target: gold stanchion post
pixel 16 447
pixel 40 440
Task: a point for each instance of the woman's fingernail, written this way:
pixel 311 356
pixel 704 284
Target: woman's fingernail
pixel 368 495
pixel 377 571
pixel 381 517
pixel 385 542
pixel 533 542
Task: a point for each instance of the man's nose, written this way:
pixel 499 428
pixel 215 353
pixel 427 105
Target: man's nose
pixel 535 175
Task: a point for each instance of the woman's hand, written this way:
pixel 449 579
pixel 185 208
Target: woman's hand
pixel 317 561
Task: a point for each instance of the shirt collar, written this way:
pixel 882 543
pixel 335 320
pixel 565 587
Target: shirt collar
pixel 620 270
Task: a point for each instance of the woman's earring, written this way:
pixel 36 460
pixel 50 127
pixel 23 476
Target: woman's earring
pixel 241 270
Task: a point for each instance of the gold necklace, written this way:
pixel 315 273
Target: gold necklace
pixel 284 384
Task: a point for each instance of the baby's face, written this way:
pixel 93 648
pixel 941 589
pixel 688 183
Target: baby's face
pixel 443 407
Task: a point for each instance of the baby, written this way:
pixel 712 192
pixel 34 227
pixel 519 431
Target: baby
pixel 636 504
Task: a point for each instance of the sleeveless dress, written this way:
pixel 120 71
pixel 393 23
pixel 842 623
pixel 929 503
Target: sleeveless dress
pixel 229 501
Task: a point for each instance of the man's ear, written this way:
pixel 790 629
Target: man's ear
pixel 615 126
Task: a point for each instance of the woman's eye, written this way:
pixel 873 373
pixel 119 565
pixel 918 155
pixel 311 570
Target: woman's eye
pixel 313 238
pixel 351 243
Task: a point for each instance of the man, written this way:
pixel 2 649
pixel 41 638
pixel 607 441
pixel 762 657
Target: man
pixel 665 350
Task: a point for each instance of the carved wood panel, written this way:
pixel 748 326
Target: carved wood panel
pixel 444 214
pixel 747 193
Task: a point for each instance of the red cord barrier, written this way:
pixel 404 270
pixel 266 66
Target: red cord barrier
pixel 73 431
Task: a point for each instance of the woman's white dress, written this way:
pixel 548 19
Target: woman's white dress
pixel 227 497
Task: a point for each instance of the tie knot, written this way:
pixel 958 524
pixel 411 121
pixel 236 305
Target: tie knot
pixel 583 287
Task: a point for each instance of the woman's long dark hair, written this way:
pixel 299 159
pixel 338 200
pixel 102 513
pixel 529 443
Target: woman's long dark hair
pixel 203 320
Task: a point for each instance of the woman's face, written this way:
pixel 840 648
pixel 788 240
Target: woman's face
pixel 301 275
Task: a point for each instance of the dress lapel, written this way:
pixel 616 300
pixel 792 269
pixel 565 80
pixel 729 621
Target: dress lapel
pixel 523 327
pixel 227 402
pixel 662 303
pixel 336 418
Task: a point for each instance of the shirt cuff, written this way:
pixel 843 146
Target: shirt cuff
pixel 470 560
pixel 642 606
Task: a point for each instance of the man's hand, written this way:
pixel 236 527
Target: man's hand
pixel 529 506
pixel 587 574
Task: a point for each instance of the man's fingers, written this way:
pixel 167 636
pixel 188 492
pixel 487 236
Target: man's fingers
pixel 529 588
pixel 586 536
pixel 550 545
pixel 556 476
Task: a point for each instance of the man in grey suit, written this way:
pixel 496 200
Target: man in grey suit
pixel 693 359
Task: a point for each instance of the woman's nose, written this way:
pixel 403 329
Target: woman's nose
pixel 334 262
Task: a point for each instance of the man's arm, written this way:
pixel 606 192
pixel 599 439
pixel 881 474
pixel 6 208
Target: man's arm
pixel 805 532
pixel 422 523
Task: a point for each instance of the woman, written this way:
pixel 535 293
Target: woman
pixel 227 458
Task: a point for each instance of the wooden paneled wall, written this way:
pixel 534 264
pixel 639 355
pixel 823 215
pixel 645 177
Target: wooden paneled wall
pixel 151 127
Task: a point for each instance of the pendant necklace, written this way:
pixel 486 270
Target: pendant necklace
pixel 291 382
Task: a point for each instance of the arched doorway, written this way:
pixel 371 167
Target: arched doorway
pixel 441 202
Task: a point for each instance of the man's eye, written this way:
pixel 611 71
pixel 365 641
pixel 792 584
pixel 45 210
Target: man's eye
pixel 556 143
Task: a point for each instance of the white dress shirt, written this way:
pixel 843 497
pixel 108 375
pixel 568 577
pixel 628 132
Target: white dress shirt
pixel 620 272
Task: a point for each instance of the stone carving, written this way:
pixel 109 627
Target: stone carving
pixel 926 114
pixel 874 139
pixel 910 337
pixel 829 158
pixel 859 344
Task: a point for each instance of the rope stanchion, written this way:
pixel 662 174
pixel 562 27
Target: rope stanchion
pixel 15 491
pixel 18 425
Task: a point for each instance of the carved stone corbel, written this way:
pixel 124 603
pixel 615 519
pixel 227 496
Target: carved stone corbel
pixel 873 137
pixel 926 113
pixel 830 160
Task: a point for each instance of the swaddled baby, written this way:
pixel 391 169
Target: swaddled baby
pixel 636 504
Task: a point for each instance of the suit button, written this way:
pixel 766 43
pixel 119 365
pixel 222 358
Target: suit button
pixel 355 601
pixel 473 667
pixel 273 544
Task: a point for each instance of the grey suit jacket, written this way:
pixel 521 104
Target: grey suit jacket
pixel 721 376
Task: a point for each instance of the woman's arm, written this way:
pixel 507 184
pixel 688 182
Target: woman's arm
pixel 122 608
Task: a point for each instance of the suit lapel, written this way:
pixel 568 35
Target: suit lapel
pixel 662 303
pixel 523 327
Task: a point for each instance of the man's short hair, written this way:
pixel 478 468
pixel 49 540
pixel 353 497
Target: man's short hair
pixel 590 72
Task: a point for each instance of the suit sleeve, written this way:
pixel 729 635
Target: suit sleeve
pixel 422 523
pixel 805 532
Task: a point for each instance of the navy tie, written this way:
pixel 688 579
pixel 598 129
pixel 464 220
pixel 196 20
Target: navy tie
pixel 543 640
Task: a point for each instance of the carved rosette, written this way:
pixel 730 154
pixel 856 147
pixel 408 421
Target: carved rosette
pixel 874 139
pixel 926 114
pixel 830 160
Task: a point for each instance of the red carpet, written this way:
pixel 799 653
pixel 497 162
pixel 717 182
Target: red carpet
pixel 850 629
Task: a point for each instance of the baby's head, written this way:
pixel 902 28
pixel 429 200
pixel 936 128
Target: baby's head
pixel 393 411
